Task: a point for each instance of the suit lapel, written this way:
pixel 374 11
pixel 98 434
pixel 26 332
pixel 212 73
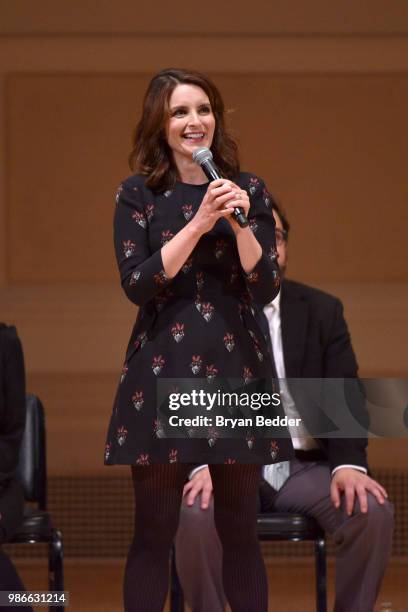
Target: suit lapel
pixel 294 324
pixel 294 320
pixel 262 321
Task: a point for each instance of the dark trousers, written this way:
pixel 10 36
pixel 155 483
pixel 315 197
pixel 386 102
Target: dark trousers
pixel 362 541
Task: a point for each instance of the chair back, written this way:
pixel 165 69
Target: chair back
pixel 31 469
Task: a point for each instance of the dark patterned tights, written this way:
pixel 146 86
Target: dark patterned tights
pixel 158 492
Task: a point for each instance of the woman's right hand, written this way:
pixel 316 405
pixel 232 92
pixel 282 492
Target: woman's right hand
pixel 176 251
pixel 211 209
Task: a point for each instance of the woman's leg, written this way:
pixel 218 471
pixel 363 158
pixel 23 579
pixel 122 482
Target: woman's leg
pixel 235 508
pixel 158 492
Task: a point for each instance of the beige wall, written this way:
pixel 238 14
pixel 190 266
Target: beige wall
pixel 319 101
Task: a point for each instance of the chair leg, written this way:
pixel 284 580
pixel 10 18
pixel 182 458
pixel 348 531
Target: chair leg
pixel 56 567
pixel 176 592
pixel 321 578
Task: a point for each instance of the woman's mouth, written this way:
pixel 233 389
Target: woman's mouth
pixel 194 136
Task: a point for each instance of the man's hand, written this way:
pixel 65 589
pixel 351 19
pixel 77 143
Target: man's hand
pixel 352 482
pixel 200 483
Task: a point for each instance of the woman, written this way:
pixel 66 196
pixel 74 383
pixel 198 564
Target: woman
pixel 195 274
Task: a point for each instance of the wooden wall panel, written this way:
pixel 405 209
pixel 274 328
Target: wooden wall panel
pixel 68 140
pixel 258 17
pixel 77 327
pixel 319 97
pixel 332 149
pixel 3 180
pixel 78 407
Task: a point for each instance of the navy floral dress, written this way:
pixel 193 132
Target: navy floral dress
pixel 200 324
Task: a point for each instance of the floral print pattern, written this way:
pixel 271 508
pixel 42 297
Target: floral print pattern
pixel 157 365
pixel 128 248
pixel 149 212
pixel 196 364
pixel 198 324
pixel 188 264
pixel 177 332
pixel 138 400
pixel 140 219
pixel 187 211
pixel 229 342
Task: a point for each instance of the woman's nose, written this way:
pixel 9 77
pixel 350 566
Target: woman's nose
pixel 194 118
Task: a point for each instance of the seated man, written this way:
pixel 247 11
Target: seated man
pixel 12 422
pixel 327 479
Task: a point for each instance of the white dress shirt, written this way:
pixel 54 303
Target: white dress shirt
pixel 301 438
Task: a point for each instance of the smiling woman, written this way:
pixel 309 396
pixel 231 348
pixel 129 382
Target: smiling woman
pixel 167 102
pixel 196 276
pixel 191 123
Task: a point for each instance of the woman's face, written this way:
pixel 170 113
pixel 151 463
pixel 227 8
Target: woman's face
pixel 191 122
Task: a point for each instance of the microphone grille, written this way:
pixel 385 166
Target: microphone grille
pixel 201 155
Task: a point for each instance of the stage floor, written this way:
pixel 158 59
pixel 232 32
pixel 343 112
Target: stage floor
pixel 96 585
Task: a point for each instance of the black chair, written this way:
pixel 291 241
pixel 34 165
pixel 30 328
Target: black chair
pixel 276 527
pixel 37 524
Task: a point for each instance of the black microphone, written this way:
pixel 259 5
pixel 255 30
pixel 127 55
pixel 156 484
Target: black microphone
pixel 204 158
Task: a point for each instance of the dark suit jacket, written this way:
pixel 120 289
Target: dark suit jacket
pixel 12 422
pixel 316 344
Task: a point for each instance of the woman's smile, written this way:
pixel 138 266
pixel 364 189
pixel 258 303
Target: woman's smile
pixel 191 122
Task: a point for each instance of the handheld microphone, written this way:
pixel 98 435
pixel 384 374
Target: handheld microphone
pixel 204 158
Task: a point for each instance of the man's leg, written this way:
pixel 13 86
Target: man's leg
pixel 362 541
pixel 199 558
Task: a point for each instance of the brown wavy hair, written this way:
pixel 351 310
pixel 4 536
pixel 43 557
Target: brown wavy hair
pixel 151 155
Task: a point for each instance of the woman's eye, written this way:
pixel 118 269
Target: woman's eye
pixel 181 112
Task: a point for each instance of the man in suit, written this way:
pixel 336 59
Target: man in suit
pixel 328 478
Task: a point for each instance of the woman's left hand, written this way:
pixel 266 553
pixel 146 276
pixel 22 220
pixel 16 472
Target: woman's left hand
pixel 240 199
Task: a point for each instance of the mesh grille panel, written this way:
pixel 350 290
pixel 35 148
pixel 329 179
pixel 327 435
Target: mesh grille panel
pixel 95 515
